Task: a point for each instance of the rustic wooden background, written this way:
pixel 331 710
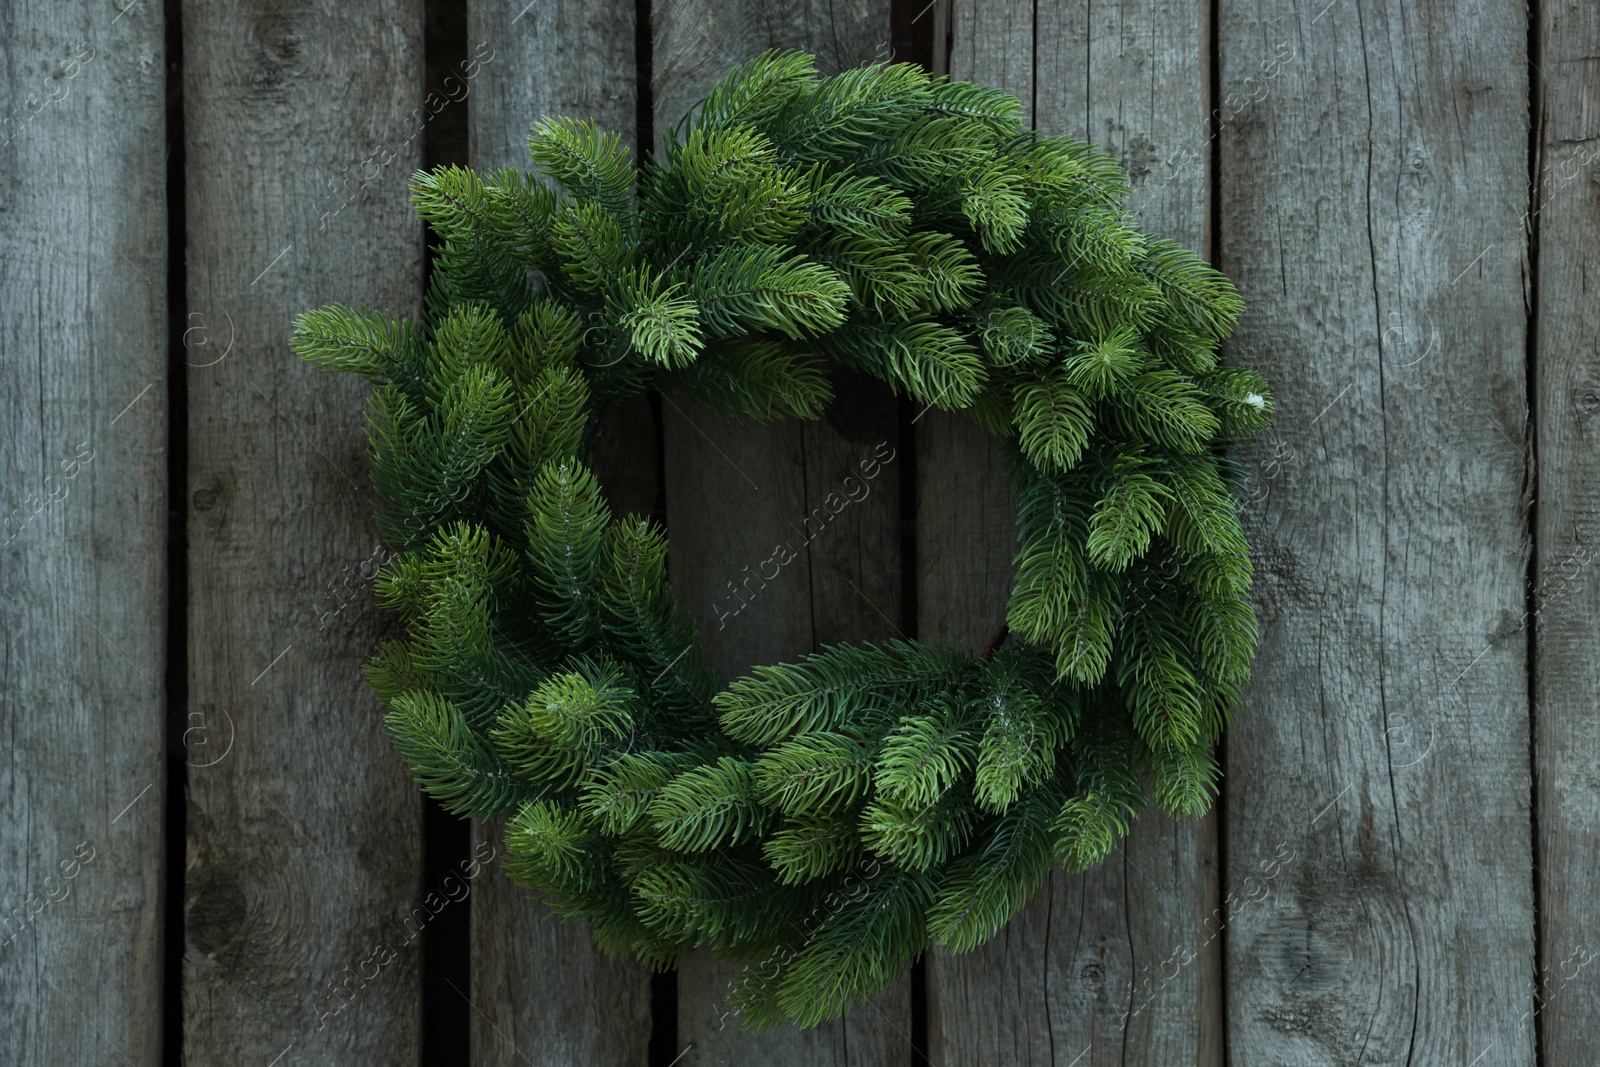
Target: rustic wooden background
pixel 209 852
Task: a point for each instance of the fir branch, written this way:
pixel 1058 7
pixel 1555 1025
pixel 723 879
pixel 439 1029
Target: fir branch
pixel 832 815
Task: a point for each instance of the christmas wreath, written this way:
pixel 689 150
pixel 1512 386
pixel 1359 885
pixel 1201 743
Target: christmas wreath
pixel 825 820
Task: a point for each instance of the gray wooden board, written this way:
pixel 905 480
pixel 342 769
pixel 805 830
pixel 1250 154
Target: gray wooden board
pixel 555 57
pixel 1567 593
pixel 698 41
pixel 303 123
pixel 1114 965
pixel 1378 840
pixel 542 993
pixel 83 565
pixel 841 585
pixel 736 492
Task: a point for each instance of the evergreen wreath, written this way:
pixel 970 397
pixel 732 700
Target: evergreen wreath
pixel 822 821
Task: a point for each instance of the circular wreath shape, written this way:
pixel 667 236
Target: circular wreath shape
pixel 822 821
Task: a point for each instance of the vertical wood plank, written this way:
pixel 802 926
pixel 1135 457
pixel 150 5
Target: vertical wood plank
pixel 1566 595
pixel 1378 841
pixel 302 125
pixel 83 559
pixel 696 42
pixel 541 991
pixel 736 492
pixel 1112 966
pixel 993 45
pixel 736 495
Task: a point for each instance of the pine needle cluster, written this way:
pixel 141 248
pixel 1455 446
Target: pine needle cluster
pixel 903 225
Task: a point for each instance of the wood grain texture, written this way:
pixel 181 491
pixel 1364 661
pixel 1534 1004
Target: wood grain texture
pixel 697 41
pixel 1112 966
pixel 1098 968
pixel 1378 838
pixel 966 531
pixel 554 57
pixel 303 918
pixel 83 559
pixel 1566 595
pixel 824 496
pixel 541 991
pixel 735 492
pixel 993 44
pixel 743 498
pixel 785 537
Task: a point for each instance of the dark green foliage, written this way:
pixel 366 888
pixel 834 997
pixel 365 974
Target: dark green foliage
pixel 761 379
pixel 846 942
pixel 453 763
pixel 979 892
pixel 810 847
pixel 927 753
pixel 708 807
pixel 1026 717
pixel 824 820
pixel 837 686
pixel 816 774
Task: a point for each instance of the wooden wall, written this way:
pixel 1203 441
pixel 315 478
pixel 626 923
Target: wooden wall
pixel 212 855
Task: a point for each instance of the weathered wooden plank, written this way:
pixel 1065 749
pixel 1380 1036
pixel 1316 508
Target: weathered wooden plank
pixel 827 503
pixel 744 501
pixel 734 494
pixel 1567 592
pixel 735 521
pixel 556 57
pixel 993 44
pixel 83 558
pixel 1378 838
pixel 542 992
pixel 1112 966
pixel 697 41
pixel 303 911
